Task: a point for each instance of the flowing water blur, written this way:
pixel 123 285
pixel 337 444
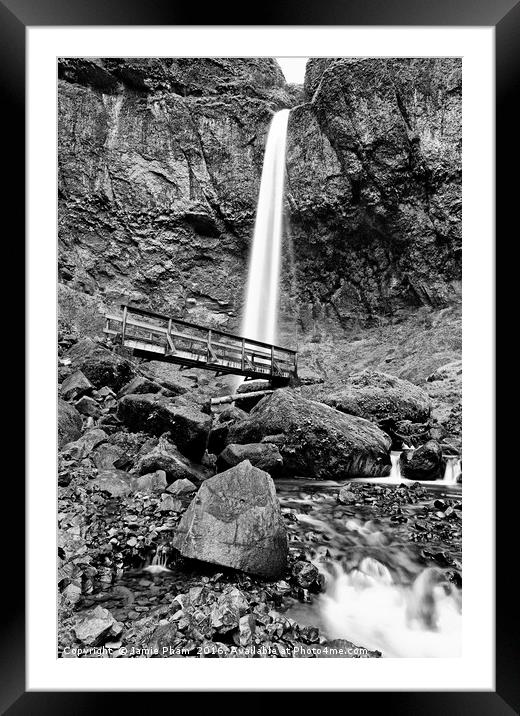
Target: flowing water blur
pixel 260 315
pixel 378 591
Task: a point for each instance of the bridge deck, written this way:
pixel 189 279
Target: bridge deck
pixel 159 337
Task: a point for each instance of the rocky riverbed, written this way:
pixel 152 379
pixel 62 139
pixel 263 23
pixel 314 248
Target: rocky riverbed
pixel 188 533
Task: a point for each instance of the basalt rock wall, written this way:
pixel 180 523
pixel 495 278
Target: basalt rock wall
pixel 159 171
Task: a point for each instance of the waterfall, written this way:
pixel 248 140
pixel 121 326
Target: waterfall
pixel 453 470
pixel 260 315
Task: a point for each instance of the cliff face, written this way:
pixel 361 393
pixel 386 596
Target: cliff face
pixel 159 169
pixel 374 166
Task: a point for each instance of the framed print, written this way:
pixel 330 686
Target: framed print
pixel 260 293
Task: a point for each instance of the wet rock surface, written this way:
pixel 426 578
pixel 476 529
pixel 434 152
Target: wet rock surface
pixel 425 463
pixel 317 440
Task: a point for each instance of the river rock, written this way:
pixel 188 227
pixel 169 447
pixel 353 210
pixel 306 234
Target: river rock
pixel 189 428
pixel 319 441
pixel 376 396
pixel 69 423
pixel 265 456
pixel 75 386
pixel 101 366
pixel 425 463
pixel 96 627
pixel 235 521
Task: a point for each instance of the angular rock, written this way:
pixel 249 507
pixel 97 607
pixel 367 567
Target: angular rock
pixel 169 504
pixel 139 385
pixel 425 463
pixel 265 456
pixel 116 482
pixel 152 482
pixel 97 626
pixel 218 437
pixel 156 414
pixel 101 366
pixel 105 456
pixel 319 441
pixel 165 456
pixel 376 396
pixel 306 575
pixel 231 415
pixel 88 406
pixel 181 487
pixel 235 521
pixel 167 376
pixel 228 610
pixel 69 423
pixel 85 444
pixel 75 386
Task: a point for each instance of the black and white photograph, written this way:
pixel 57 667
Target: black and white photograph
pixel 259 357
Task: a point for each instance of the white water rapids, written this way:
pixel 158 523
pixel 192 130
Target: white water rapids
pixel 366 607
pixel 260 316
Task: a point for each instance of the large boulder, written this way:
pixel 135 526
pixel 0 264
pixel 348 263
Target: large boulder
pixel 315 440
pixel 235 521
pixel 100 366
pixel 265 456
pixel 425 463
pixel 156 414
pixel 376 396
pixel 69 423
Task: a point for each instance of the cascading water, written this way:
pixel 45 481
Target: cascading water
pixel 453 470
pixel 366 606
pixel 260 315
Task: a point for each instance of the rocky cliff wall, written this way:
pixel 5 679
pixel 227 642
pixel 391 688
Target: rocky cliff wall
pixel 374 185
pixel 159 169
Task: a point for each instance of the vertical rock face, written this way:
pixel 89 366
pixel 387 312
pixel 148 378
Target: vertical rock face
pixel 159 167
pixel 374 165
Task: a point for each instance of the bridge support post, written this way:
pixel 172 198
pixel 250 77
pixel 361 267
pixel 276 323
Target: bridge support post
pixel 123 328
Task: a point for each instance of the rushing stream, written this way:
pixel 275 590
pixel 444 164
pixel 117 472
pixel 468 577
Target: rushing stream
pixel 380 590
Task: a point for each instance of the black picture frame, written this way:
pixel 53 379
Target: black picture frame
pixel 504 15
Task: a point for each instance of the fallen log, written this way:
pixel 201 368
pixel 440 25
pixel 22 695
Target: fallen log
pixel 237 396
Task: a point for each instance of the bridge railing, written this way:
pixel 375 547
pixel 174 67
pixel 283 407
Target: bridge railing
pixel 190 344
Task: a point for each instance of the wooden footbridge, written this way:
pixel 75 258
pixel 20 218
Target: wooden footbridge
pixel 156 336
